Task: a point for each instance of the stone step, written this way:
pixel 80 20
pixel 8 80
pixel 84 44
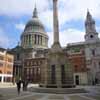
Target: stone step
pixel 58 90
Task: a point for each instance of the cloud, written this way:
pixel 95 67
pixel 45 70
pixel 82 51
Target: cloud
pixel 68 36
pixel 71 36
pixel 20 26
pixel 68 10
pixel 21 7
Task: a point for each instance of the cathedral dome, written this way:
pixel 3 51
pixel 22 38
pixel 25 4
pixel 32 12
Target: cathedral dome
pixel 34 24
pixel 34 35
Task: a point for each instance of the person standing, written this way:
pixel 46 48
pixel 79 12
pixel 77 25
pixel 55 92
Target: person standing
pixel 18 86
pixel 25 84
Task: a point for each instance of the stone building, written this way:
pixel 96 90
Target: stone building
pixel 6 66
pixel 92 50
pixel 18 62
pixel 89 51
pixel 76 55
pixel 34 51
pixel 34 42
pixel 56 71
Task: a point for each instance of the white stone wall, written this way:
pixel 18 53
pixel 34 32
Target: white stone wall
pixel 92 60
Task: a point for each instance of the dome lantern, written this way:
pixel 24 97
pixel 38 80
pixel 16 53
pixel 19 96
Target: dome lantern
pixel 35 13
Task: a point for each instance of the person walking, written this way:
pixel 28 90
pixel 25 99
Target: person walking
pixel 25 84
pixel 18 86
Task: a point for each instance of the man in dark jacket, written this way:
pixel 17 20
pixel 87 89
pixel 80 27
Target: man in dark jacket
pixel 18 86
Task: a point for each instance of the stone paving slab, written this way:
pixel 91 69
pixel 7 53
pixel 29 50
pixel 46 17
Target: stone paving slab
pixel 29 98
pixel 76 97
pixel 11 94
pixel 95 96
pixel 55 97
pixel 1 97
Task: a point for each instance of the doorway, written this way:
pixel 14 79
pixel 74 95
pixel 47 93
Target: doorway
pixel 77 79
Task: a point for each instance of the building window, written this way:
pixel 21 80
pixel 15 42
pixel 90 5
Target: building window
pixel 0 72
pixel 53 75
pixel 38 39
pixel 10 60
pixel 63 78
pixel 29 39
pixel 18 56
pixel 35 39
pixel 76 68
pixel 99 65
pixel 9 72
pixel 1 64
pixel 25 72
pixel 41 40
pixel 9 66
pixel 1 57
pixel 93 52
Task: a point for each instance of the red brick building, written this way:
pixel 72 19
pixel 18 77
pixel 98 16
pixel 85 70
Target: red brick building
pixel 76 56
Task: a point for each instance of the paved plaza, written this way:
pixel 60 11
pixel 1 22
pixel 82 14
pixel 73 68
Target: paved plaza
pixel 10 93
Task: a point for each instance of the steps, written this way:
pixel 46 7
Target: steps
pixel 58 90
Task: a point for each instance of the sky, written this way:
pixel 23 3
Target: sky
pixel 14 14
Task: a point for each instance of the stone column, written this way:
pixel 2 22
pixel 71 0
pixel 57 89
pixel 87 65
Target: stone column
pixel 55 22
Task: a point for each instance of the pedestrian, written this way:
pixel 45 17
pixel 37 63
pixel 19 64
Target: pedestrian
pixel 18 86
pixel 25 84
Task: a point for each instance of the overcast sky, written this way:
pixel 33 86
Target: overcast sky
pixel 14 14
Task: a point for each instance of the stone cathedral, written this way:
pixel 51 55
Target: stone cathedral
pixel 56 71
pixel 76 63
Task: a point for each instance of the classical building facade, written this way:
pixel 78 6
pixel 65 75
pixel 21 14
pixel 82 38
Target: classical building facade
pixel 33 52
pixel 6 66
pixel 18 53
pixel 76 55
pixel 92 50
pixel 86 55
pixel 34 42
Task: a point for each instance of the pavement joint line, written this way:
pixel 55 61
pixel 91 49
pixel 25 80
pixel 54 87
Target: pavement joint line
pixel 86 97
pixel 21 97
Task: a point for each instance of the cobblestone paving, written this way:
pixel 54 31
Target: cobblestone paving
pixel 11 94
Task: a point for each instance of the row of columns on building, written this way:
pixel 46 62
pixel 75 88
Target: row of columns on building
pixel 32 74
pixel 34 39
pixel 4 78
